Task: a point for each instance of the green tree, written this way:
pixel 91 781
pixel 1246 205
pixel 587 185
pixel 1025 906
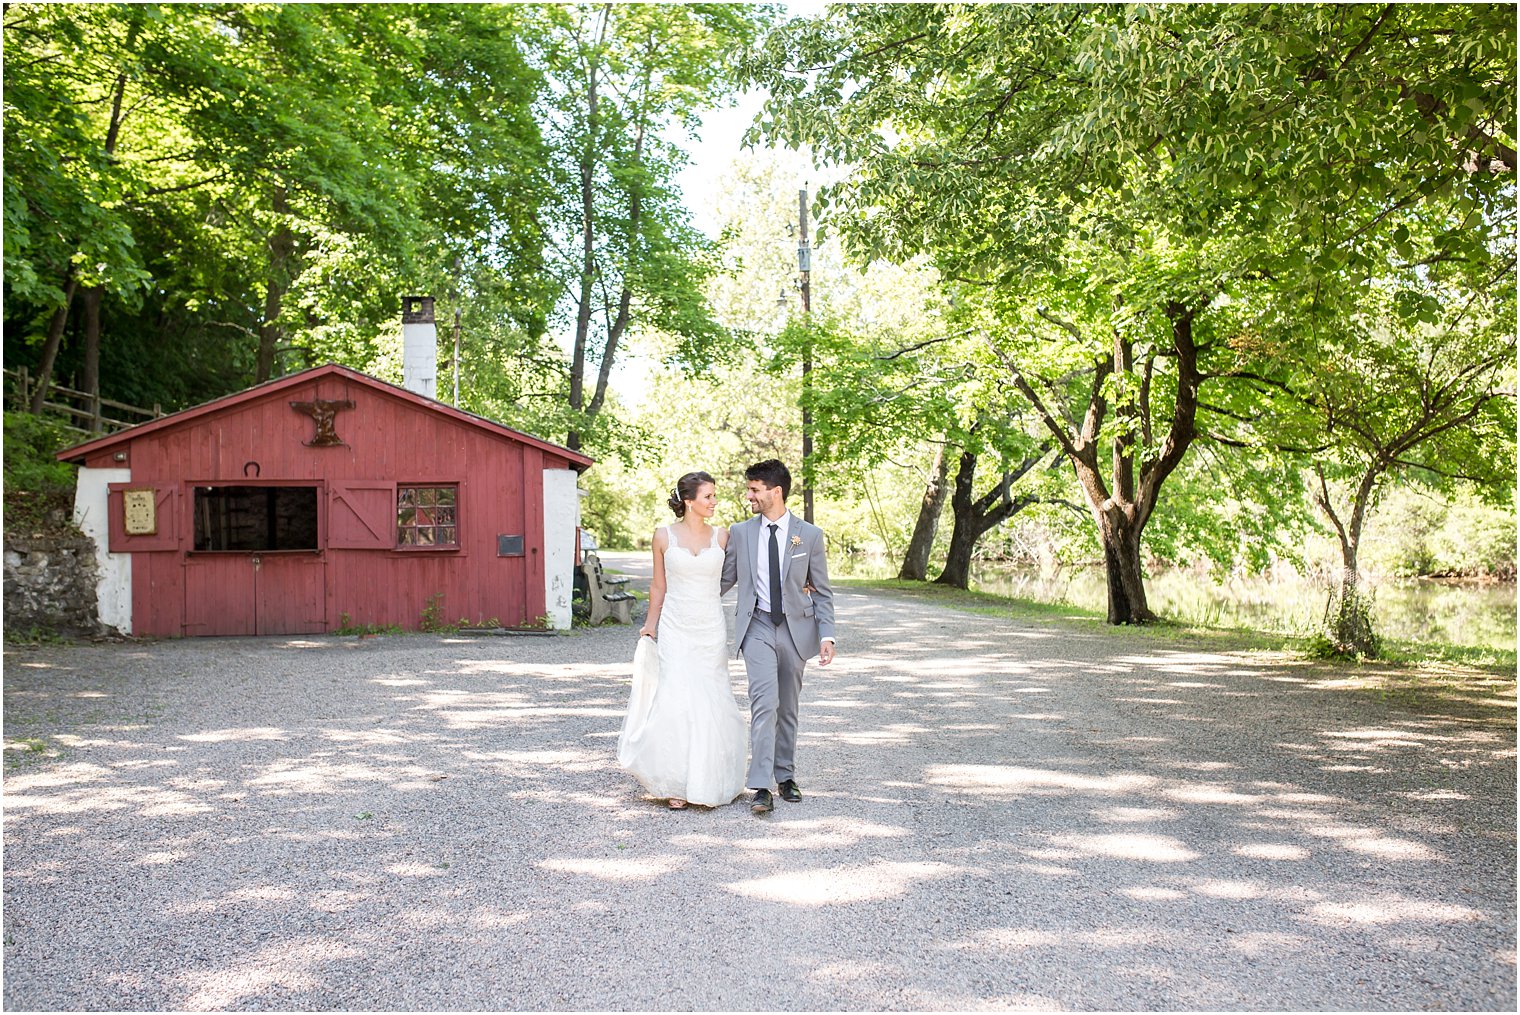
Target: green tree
pixel 888 381
pixel 65 185
pixel 1421 383
pixel 281 172
pixel 623 254
pixel 1115 186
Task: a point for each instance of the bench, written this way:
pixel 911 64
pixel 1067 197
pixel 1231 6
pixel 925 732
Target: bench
pixel 604 595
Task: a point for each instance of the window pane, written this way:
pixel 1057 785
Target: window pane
pixel 425 516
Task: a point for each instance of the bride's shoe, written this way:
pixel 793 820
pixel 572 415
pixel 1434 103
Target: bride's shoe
pixel 675 804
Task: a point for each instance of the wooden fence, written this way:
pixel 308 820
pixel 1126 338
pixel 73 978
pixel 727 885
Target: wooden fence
pixel 83 412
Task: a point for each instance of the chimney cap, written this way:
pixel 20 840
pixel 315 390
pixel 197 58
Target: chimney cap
pixel 416 310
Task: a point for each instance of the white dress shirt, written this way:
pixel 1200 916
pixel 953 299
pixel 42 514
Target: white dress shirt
pixel 763 558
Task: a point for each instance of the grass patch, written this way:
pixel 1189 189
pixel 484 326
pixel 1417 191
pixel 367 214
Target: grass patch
pixel 346 626
pixel 1189 633
pixel 973 602
pixel 34 637
pixel 23 751
pixel 1482 657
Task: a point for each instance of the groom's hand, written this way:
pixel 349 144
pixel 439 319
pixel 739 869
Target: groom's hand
pixel 825 653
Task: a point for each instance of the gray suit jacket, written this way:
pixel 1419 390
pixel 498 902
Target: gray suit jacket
pixel 809 618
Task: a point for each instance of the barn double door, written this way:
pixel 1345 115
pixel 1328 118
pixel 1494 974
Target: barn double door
pixel 261 592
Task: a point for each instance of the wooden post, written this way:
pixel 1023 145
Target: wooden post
pixel 456 357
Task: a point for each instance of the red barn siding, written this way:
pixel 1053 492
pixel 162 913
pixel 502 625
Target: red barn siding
pixel 357 574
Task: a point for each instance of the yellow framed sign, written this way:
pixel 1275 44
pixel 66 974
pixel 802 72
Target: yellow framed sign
pixel 139 515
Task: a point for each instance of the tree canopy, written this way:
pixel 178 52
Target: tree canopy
pixel 1128 196
pixel 246 189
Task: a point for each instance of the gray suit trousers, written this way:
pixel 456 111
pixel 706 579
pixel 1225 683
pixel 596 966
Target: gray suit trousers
pixel 775 685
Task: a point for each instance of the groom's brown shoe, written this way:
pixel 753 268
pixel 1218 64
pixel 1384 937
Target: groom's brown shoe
pixel 762 803
pixel 789 792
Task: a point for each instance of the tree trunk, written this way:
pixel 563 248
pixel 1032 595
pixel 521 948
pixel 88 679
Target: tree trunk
pixel 974 518
pixel 93 295
pixel 915 565
pixel 1348 612
pixel 281 247
pixel 963 534
pixel 1121 565
pixel 1121 513
pixel 90 380
pixel 1348 615
pixel 50 345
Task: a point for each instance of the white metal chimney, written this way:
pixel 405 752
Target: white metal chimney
pixel 419 346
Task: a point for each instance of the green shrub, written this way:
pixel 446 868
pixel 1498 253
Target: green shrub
pixel 432 617
pixel 1475 539
pixel 39 489
pixel 1397 538
pixel 1416 532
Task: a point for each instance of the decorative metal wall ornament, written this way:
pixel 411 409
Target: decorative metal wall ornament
pixel 324 411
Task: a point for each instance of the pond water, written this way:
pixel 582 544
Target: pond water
pixel 1466 613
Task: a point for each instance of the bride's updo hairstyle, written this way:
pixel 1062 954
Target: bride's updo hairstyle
pixel 686 489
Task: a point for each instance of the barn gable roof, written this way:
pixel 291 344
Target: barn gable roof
pixel 77 453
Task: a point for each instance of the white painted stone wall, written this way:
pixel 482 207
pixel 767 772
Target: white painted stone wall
pixel 90 514
pixel 562 514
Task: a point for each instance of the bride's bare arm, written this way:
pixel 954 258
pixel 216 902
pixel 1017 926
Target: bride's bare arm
pixel 656 586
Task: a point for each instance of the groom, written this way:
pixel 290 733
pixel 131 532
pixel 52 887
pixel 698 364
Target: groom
pixel 785 617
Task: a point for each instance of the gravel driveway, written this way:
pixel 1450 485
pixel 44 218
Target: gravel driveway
pixel 996 815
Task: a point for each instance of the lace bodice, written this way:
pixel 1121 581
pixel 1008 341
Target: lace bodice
pixel 692 577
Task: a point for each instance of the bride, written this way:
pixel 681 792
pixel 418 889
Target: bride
pixel 684 738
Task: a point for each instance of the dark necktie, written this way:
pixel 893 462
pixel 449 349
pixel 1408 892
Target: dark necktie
pixel 776 613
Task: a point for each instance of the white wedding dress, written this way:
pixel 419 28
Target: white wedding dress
pixel 684 736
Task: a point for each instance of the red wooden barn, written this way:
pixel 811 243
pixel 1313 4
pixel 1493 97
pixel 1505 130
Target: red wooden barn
pixel 326 498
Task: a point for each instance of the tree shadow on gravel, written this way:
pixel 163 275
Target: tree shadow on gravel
pixel 994 817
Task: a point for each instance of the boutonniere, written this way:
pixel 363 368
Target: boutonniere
pixel 796 540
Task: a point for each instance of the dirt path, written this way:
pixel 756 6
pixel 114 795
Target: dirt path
pixel 997 815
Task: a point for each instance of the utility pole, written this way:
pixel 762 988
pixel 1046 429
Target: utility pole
pixel 456 356
pixel 454 295
pixel 805 268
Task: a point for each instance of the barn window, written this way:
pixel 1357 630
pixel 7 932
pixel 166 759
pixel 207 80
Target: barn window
pixel 255 518
pixel 426 516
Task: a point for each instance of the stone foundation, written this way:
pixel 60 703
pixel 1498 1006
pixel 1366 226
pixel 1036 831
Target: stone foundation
pixel 50 584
